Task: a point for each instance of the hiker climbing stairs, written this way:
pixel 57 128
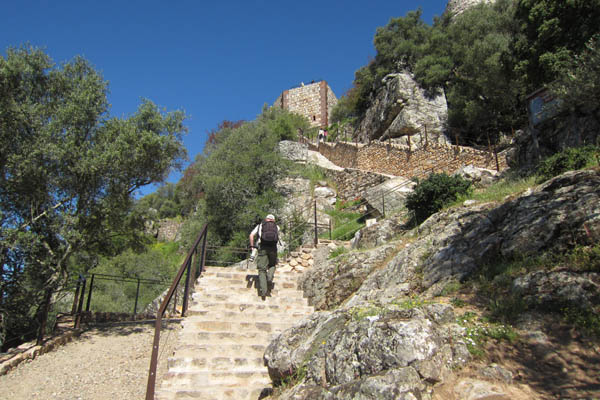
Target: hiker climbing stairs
pixel 226 331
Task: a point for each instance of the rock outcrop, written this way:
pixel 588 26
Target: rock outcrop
pixel 401 110
pixel 381 332
pixel 388 354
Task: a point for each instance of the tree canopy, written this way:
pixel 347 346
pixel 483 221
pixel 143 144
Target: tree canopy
pixel 487 59
pixel 68 172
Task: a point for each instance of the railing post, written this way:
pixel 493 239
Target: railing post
pixel 496 156
pixel 137 294
pixel 80 305
pixel 76 297
pixel 383 203
pixel 175 302
pixel 195 265
pixel 89 299
pixel 186 290
pixel 289 249
pixel 330 229
pixel 203 254
pixel 316 228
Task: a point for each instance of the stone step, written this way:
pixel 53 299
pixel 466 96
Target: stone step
pixel 215 392
pixel 264 315
pixel 214 363
pixel 194 325
pixel 193 379
pixel 202 306
pixel 243 276
pixel 200 297
pixel 239 287
pixel 227 337
pixel 250 280
pixel 221 350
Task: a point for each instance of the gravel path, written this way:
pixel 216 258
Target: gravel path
pixel 110 362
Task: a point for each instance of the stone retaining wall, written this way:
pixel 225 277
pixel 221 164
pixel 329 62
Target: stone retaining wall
pixel 353 183
pixel 403 161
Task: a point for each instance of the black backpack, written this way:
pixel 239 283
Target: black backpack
pixel 269 234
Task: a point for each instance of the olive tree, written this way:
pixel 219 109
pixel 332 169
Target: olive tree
pixel 68 172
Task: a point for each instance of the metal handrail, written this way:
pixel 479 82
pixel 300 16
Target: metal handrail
pixel 191 276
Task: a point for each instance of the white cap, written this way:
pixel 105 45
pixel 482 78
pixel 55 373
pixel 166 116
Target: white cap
pixel 270 216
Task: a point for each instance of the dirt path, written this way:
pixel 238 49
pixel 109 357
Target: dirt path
pixel 103 363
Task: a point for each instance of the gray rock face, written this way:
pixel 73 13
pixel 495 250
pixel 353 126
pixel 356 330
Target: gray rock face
pixel 371 343
pixel 402 108
pixel 453 244
pixel 390 354
pixel 547 287
pixel 331 282
pixel 377 234
pixel 293 150
pixel 568 131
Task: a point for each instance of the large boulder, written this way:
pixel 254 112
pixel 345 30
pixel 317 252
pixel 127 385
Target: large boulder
pixel 480 177
pixel 389 353
pixel 401 108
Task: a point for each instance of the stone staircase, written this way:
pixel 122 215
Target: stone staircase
pixel 227 329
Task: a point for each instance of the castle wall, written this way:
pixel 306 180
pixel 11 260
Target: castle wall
pixel 314 101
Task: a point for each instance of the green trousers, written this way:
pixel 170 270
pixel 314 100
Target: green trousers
pixel 266 262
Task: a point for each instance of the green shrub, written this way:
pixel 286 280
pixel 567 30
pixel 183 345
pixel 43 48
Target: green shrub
pixel 567 160
pixel 437 191
pixel 337 251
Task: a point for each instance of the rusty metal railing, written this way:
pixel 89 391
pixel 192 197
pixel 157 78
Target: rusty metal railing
pixel 192 273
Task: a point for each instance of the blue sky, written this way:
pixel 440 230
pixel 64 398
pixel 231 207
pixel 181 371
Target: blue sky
pixel 214 60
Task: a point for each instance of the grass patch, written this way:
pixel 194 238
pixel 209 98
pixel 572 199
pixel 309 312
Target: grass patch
pixel 450 288
pixel 361 313
pixel 337 251
pixel 456 302
pixel 479 330
pixel 345 222
pixel 585 319
pixel 409 303
pixel 311 172
pixel 500 190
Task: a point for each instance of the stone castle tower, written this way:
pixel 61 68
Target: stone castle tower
pixel 314 101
